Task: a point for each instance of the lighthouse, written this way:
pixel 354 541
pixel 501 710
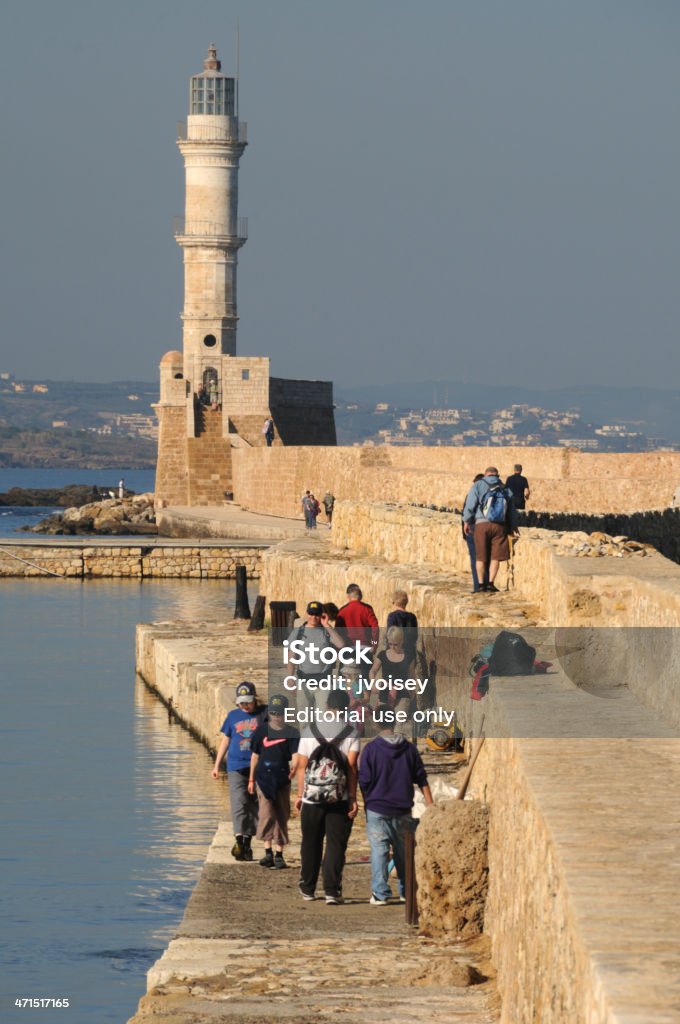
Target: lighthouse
pixel 213 402
pixel 211 232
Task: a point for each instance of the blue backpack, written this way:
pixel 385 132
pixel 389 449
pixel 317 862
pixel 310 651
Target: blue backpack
pixel 494 504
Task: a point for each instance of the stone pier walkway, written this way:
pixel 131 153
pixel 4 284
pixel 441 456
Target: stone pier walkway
pixel 250 951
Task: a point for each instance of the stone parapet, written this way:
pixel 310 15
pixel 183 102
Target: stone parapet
pixel 146 561
pixel 273 479
pixel 196 667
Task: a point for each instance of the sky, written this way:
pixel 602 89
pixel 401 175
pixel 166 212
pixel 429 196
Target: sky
pixel 479 191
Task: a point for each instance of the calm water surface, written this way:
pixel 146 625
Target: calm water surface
pixel 107 809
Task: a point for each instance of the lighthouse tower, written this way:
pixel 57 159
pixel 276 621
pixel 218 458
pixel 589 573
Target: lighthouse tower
pixel 213 403
pixel 211 232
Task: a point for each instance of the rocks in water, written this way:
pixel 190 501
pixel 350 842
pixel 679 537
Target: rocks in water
pixel 114 516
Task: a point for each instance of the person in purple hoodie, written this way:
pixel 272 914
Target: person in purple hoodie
pixel 389 768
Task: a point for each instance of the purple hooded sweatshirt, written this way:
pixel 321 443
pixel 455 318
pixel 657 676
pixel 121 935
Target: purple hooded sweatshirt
pixel 388 771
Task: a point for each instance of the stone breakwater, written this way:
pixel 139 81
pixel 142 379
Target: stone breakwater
pixel 577 828
pixel 112 517
pixel 583 909
pixel 220 964
pixel 153 560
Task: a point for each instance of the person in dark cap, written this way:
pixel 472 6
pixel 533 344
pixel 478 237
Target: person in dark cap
pixel 317 634
pixel 237 731
pixel 273 762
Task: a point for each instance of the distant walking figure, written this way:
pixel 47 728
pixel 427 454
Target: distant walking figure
pixel 268 431
pixel 519 485
pixel 490 513
pixel 329 504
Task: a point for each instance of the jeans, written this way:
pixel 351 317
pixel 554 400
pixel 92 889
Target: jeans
pixel 243 803
pixel 384 832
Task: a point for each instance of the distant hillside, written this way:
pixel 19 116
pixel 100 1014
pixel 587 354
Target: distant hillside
pixel 47 449
pixel 656 411
pixel 81 405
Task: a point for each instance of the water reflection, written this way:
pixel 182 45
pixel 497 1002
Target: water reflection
pixel 108 809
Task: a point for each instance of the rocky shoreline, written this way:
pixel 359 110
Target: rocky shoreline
pixel 112 517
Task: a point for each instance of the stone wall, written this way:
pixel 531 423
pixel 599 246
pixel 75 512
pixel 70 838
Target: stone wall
pixel 129 562
pixel 172 477
pixel 273 480
pixel 399 545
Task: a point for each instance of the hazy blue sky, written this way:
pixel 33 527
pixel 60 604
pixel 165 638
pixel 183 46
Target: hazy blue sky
pixel 484 190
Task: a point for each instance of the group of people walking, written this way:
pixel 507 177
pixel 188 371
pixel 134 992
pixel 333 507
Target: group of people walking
pixel 311 508
pixel 490 523
pixel 266 757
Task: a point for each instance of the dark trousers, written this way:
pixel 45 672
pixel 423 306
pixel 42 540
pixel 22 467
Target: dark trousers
pixel 319 821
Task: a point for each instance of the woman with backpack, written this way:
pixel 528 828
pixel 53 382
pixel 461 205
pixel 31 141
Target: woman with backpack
pixel 327 799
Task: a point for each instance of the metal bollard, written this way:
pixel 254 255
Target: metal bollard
pixel 410 882
pixel 241 605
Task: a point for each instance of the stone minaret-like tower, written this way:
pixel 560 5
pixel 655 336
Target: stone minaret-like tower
pixel 213 403
pixel 211 232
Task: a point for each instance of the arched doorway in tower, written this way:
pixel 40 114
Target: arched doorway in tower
pixel 211 387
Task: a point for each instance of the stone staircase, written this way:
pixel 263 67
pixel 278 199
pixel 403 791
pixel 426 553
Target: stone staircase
pixel 209 460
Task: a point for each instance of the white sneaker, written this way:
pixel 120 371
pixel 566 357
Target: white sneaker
pixel 307 896
pixel 375 902
pixel 333 900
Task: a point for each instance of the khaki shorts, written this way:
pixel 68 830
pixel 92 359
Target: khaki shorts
pixel 491 542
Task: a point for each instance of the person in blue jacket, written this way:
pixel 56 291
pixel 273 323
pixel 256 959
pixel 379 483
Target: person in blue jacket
pixel 237 732
pixel 490 514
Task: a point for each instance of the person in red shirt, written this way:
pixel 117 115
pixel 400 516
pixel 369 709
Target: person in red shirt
pixel 356 620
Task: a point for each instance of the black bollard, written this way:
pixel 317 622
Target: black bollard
pixel 411 885
pixel 257 621
pixel 241 607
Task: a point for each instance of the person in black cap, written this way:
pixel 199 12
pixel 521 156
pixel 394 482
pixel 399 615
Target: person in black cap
pixel 317 634
pixel 273 762
pixel 237 729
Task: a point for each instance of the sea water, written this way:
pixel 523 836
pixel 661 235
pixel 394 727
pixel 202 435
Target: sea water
pixel 107 808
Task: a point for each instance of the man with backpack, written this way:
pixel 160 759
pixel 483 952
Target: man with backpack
pixel 327 799
pixel 490 512
pixel 317 635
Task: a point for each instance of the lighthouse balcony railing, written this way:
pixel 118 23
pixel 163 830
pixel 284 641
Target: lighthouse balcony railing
pixel 232 131
pixel 189 228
